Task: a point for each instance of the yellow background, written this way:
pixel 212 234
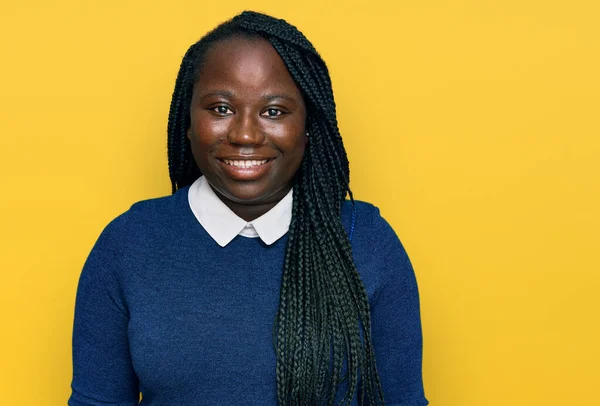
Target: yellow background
pixel 473 125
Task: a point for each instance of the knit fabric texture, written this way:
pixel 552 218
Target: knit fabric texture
pixel 163 310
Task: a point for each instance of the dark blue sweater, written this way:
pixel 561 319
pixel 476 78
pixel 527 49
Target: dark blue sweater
pixel 164 310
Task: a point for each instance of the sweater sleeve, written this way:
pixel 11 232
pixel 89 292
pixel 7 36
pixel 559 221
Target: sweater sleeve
pixel 102 369
pixel 396 321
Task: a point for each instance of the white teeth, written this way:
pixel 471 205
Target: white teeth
pixel 245 163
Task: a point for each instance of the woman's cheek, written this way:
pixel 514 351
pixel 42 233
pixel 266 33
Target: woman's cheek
pixel 213 131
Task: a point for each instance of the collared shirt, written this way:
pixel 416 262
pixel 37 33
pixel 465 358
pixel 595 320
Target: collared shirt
pixel 223 225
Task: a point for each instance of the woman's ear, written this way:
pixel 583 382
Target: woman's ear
pixel 188 134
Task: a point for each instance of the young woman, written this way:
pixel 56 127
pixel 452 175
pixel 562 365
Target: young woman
pixel 256 282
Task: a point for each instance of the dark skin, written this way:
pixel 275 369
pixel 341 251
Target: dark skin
pixel 247 110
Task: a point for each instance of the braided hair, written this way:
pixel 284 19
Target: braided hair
pixel 323 322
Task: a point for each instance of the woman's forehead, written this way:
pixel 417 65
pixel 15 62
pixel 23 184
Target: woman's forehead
pixel 246 64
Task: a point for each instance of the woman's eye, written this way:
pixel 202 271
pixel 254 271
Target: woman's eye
pixel 222 110
pixel 272 113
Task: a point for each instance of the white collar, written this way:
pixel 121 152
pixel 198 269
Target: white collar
pixel 223 225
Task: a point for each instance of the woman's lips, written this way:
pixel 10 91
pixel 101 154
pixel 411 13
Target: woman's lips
pixel 246 169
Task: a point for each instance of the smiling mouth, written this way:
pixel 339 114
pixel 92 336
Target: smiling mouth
pixel 246 163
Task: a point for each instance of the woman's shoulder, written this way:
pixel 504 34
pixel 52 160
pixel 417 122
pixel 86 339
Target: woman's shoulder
pixel 376 248
pixel 160 206
pixel 148 216
pixel 366 221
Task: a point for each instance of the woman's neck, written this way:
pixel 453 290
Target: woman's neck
pixel 252 211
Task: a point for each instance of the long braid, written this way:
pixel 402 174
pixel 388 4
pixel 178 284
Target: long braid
pixel 182 169
pixel 323 320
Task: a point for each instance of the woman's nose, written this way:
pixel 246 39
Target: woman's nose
pixel 246 131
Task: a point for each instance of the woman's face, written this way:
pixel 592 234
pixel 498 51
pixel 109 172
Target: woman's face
pixel 247 128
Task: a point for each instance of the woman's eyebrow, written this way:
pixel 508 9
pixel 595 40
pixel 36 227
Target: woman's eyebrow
pixel 221 93
pixel 271 97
